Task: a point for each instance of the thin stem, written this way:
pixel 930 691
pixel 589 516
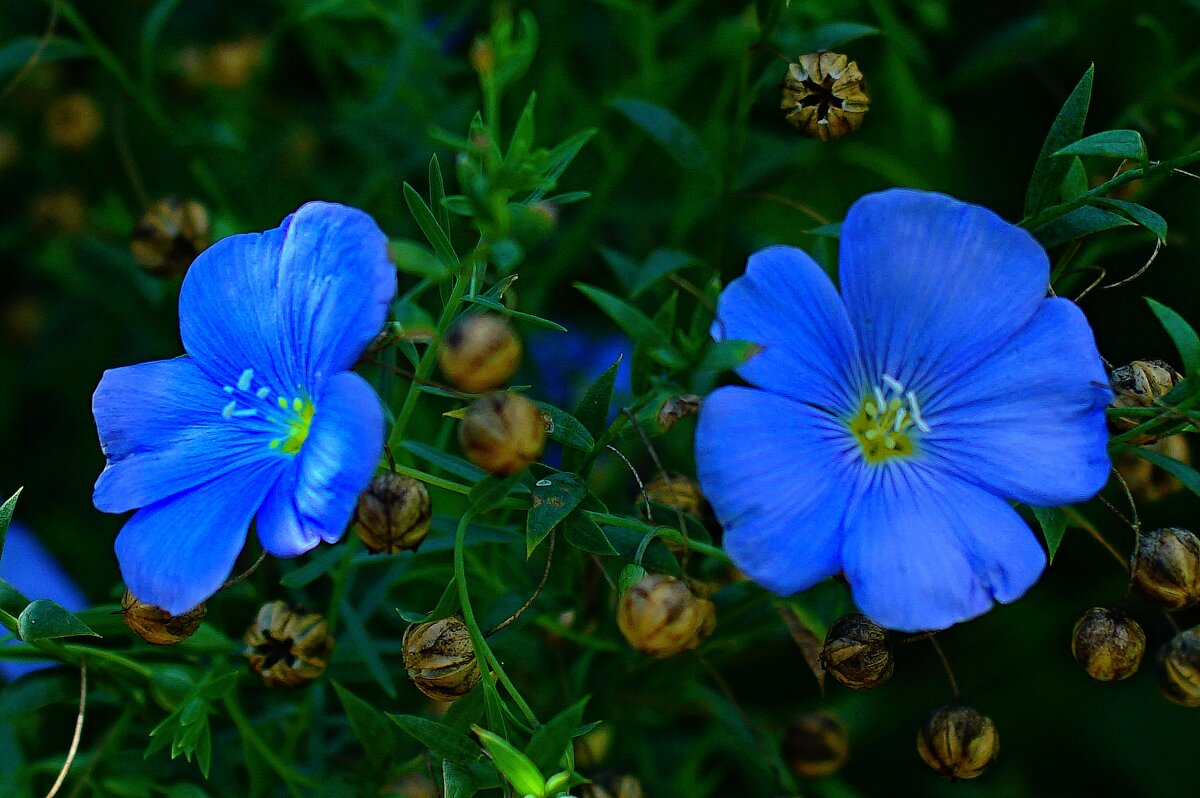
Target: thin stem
pixel 1095 533
pixel 945 666
pixel 536 592
pixel 62 774
pixel 36 55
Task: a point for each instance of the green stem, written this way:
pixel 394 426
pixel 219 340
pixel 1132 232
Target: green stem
pixel 265 751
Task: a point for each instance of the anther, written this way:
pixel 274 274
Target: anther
pixel 892 383
pixel 263 392
pixel 243 382
pixel 914 410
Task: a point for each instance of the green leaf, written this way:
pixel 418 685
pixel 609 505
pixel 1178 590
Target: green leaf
pixel 433 232
pixel 499 307
pixel 668 131
pixel 832 35
pixel 15 54
pixel 550 742
pixel 366 646
pixel 437 194
pixel 439 738
pixel 369 725
pixel 630 576
pixel 660 263
pixel 447 462
pixel 624 267
pixel 447 605
pixel 1182 335
pixel 491 490
pixel 516 767
pixel 44 619
pixel 1049 172
pixel 565 428
pixel 321 562
pixel 417 259
pixel 1078 223
pixel 521 142
pixel 6 513
pixel 593 407
pixel 1075 182
pixel 1054 525
pixel 636 325
pixel 554 497
pixel 559 159
pixel 586 535
pixel 152 29
pixel 459 783
pixel 1139 214
pixel 1126 144
pixel 12 600
pixel 727 355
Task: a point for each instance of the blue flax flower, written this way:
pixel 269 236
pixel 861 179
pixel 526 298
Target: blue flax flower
pixel 261 417
pixel 889 426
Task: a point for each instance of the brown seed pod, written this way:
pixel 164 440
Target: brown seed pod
pixel 1147 482
pixel 1166 567
pixel 661 617
pixel 62 211
pixel 502 433
pixel 677 492
pixel 287 647
pixel 1179 668
pixel 230 65
pixel 393 514
pixel 1108 644
pixel 824 95
pixel 156 625
pixel 857 652
pixel 612 785
pixel 169 236
pixel 440 658
pixel 958 742
pixel 73 122
pixel 480 352
pixel 413 785
pixel 816 744
pixel 1141 384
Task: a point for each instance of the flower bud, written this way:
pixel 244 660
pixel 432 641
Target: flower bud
pixel 1108 644
pixel 73 122
pixel 533 222
pixel 156 625
pixel 661 617
pixel 1141 384
pixel 857 652
pixel 824 95
pixel 677 492
pixel 393 514
pixel 440 658
pixel 502 433
pixel 816 744
pixel 480 352
pixel 1166 567
pixel 287 647
pixel 612 785
pixel 170 235
pixel 958 742
pixel 1179 668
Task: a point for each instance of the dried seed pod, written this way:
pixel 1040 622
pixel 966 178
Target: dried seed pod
pixel 857 652
pixel 63 211
pixel 1179 668
pixel 73 122
pixel 676 491
pixel 958 742
pixel 612 785
pixel 1141 384
pixel 440 658
pixel 824 95
pixel 661 617
pixel 230 65
pixel 1108 644
pixel 480 352
pixel 816 744
pixel 393 514
pixel 169 236
pixel 1166 567
pixel 287 647
pixel 413 785
pixel 1147 482
pixel 502 433
pixel 156 625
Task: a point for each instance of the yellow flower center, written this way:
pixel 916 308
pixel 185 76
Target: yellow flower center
pixel 885 420
pixel 297 424
pixel 292 417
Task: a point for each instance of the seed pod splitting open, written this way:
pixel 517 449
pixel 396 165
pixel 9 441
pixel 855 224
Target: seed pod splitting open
pixel 661 617
pixel 1179 668
pixel 287 647
pixel 958 742
pixel 1166 567
pixel 857 652
pixel 824 95
pixel 440 658
pixel 1108 644
pixel 169 236
pixel 816 744
pixel 156 625
pixel 1141 384
pixel 393 514
pixel 502 433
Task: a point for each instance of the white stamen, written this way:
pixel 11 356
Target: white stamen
pixel 899 425
pixel 263 392
pixel 881 403
pixel 248 413
pixel 243 382
pixel 229 408
pixel 892 383
pixel 228 389
pixel 914 410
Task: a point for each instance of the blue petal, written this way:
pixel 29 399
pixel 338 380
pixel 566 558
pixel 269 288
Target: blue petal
pixel 933 285
pixel 1028 423
pixel 778 476
pixel 162 431
pixel 925 550
pixel 178 552
pixel 316 497
pixel 788 305
pixel 296 304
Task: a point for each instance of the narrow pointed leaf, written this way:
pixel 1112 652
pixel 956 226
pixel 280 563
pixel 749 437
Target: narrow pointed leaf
pixel 1048 172
pixel 44 620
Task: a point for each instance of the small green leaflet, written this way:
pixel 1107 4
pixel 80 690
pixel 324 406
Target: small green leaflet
pixel 44 619
pixel 554 497
pixel 1054 526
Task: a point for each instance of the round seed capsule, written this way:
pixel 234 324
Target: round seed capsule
pixel 1141 384
pixel 816 744
pixel 661 617
pixel 156 625
pixel 287 647
pixel 393 514
pixel 73 122
pixel 958 742
pixel 502 433
pixel 1179 668
pixel 480 352
pixel 1166 567
pixel 824 95
pixel 857 652
pixel 440 658
pixel 677 492
pixel 1108 644
pixel 612 785
pixel 169 236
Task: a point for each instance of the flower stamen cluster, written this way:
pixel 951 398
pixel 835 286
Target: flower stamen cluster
pixel 884 419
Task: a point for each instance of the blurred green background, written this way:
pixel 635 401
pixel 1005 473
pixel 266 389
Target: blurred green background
pixel 252 108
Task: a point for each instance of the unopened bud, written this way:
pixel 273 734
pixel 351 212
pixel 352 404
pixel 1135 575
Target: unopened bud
pixel 532 223
pixel 676 491
pixel 1166 567
pixel 958 742
pixel 482 56
pixel 393 514
pixel 502 433
pixel 156 625
pixel 661 617
pixel 73 122
pixel 1108 644
pixel 480 352
pixel 287 647
pixel 169 236
pixel 1179 668
pixel 857 652
pixel 824 95
pixel 816 744
pixel 440 658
